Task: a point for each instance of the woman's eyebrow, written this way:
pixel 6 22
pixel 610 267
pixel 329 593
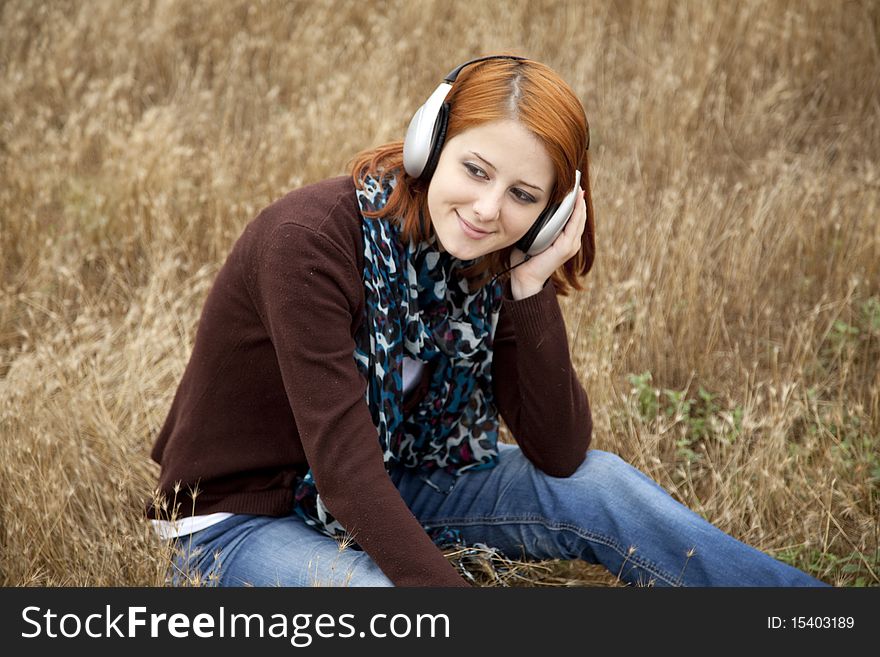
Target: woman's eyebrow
pixel 492 166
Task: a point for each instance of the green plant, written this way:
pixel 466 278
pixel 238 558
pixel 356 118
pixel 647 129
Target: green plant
pixel 698 419
pixel 852 569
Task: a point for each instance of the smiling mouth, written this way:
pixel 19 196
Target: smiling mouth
pixel 470 228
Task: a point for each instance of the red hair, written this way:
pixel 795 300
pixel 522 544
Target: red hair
pixel 493 90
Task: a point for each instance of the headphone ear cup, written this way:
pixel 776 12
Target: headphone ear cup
pixel 550 223
pixel 437 143
pixel 421 135
pixel 525 242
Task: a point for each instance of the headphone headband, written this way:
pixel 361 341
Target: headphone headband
pixel 453 74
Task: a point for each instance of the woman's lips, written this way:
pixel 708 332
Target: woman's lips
pixel 469 230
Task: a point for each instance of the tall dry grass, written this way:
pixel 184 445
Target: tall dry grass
pixel 729 335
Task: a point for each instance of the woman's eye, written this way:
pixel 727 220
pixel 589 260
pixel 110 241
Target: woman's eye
pixel 475 171
pixel 523 196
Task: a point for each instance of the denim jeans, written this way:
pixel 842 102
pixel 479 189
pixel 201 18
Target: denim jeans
pixel 607 512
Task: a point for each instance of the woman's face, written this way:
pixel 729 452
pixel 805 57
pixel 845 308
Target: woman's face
pixel 489 187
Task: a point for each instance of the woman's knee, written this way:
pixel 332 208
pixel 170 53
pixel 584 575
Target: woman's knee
pixel 600 465
pixel 608 472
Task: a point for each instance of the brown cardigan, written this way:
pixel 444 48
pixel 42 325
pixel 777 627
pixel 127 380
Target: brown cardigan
pixel 272 387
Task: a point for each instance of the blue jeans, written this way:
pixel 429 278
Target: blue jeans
pixel 607 512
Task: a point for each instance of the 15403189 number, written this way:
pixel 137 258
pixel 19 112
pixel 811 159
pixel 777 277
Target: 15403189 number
pixel 822 622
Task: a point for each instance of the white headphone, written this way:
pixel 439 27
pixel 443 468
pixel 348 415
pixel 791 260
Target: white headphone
pixel 424 140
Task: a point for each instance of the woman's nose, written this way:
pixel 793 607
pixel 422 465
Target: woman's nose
pixel 487 205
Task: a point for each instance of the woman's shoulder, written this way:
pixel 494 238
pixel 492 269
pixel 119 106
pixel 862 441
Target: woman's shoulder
pixel 327 208
pixel 314 205
pixel 317 226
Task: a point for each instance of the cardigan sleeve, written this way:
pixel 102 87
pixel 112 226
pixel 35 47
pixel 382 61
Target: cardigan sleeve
pixel 306 291
pixel 536 387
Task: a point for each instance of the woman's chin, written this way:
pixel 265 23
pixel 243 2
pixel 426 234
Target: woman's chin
pixel 464 253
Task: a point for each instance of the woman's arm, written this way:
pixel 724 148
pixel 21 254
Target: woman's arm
pixel 306 290
pixel 536 388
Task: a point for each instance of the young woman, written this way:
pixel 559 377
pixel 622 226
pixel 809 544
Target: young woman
pixel 364 336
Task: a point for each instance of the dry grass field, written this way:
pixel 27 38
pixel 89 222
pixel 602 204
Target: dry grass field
pixel 728 336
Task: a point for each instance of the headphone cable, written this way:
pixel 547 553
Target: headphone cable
pixel 526 259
